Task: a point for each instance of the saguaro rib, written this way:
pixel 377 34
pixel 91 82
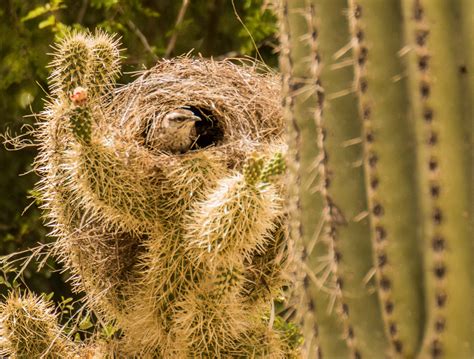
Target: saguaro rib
pixel 323 337
pixel 444 174
pixel 343 186
pixel 376 28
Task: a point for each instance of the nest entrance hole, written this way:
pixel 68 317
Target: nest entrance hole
pixel 209 130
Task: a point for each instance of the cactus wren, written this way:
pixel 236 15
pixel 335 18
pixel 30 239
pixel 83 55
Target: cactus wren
pixel 177 132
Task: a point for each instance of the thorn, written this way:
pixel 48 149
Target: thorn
pixel 397 78
pixel 316 236
pixel 318 282
pixel 340 94
pixel 331 303
pixel 361 216
pixel 370 274
pixel 342 64
pixel 404 50
pixel 352 142
pixel 342 51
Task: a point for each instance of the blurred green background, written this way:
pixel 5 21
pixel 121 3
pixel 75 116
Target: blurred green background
pixel 150 30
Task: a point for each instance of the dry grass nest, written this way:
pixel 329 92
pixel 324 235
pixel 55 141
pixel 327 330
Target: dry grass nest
pixel 238 103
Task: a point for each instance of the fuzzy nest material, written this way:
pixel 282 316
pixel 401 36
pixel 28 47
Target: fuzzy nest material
pixel 236 104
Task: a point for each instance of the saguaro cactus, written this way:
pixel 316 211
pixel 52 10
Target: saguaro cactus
pixel 183 253
pixel 378 98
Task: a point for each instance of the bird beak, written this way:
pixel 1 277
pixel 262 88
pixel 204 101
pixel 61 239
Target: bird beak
pixel 193 119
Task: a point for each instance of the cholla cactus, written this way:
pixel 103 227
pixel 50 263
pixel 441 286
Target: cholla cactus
pixel 29 329
pixel 183 253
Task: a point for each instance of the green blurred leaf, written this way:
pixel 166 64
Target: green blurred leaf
pixel 109 330
pixel 85 323
pixel 54 5
pixel 66 301
pixel 8 237
pixel 50 21
pixel 40 10
pixel 104 4
pixel 48 297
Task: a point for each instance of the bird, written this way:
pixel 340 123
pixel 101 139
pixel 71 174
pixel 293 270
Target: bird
pixel 176 133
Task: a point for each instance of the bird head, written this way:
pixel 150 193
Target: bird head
pixel 180 119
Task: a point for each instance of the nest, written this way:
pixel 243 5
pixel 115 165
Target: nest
pixel 238 105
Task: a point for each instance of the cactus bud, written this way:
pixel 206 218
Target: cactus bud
pixel 79 96
pixel 274 167
pixel 253 169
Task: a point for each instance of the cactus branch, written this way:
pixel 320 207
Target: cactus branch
pixel 444 179
pixel 300 96
pixel 391 187
pixel 343 186
pixel 29 329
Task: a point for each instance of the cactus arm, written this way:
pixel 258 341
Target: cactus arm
pixel 389 166
pixel 107 190
pixel 467 11
pixel 29 329
pixel 222 232
pixel 344 188
pixel 235 218
pixel 105 63
pixel 71 65
pixel 322 330
pixel 444 177
pixel 85 68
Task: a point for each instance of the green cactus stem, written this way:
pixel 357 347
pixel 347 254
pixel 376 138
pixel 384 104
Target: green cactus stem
pixel 391 186
pixel 444 165
pixel 253 169
pixel 105 64
pixel 71 64
pixel 467 16
pixel 274 167
pixel 322 330
pixel 343 187
pixel 412 65
pixel 81 120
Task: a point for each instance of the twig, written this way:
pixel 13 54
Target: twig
pixel 236 13
pixel 82 11
pixel 142 38
pixel 179 20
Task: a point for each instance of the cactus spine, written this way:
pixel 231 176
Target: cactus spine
pixel 410 125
